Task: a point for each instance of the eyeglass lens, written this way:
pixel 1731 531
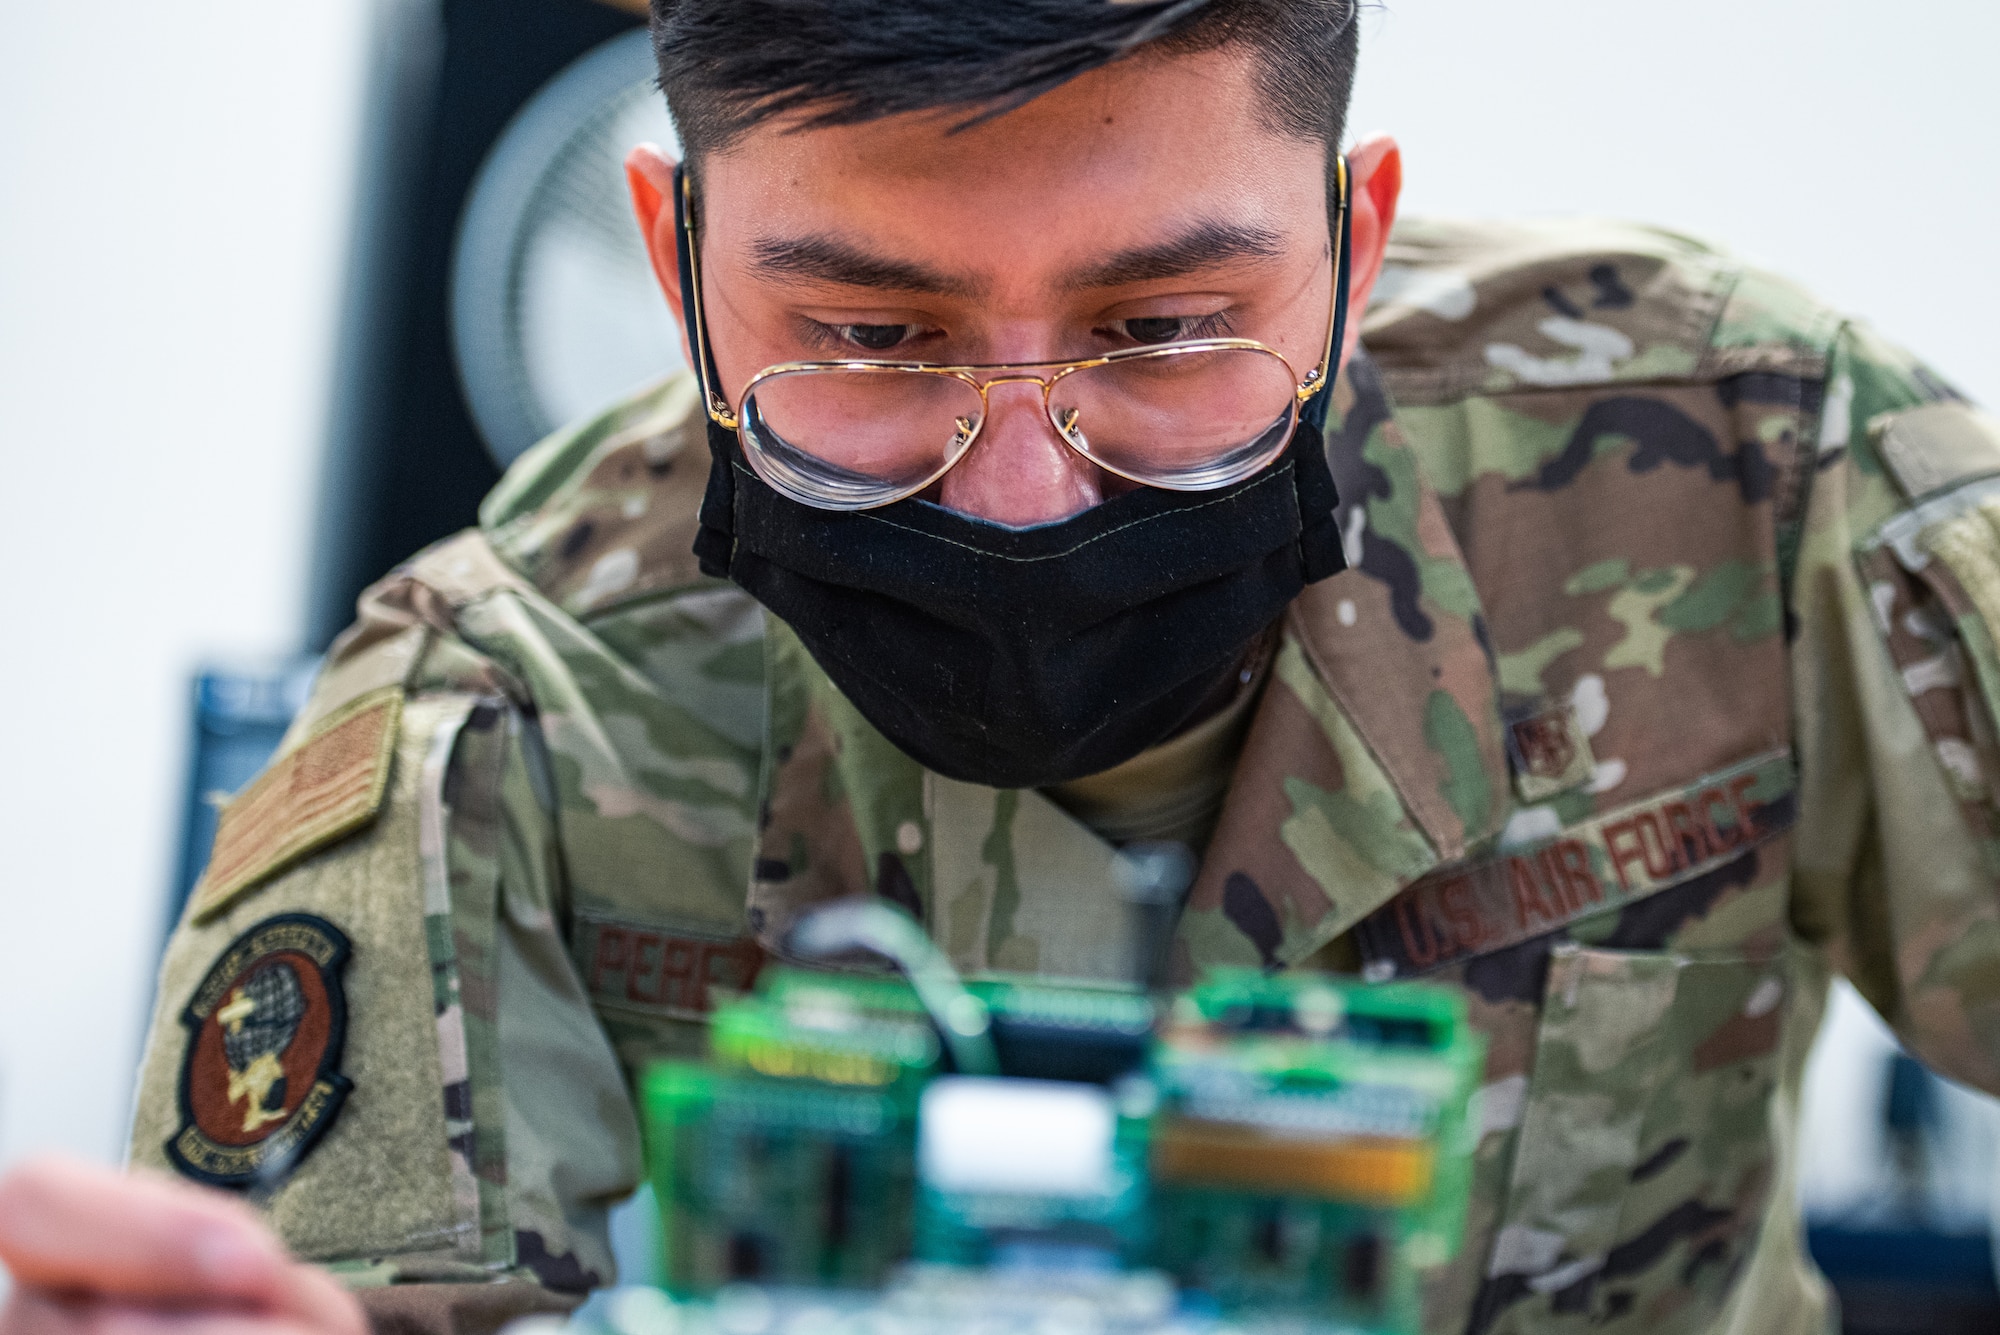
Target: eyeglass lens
pixel 1184 418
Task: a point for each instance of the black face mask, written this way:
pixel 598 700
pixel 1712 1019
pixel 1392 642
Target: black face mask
pixel 1017 658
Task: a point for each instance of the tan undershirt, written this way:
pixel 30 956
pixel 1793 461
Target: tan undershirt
pixel 1173 791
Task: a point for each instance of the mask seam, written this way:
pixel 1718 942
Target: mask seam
pixel 1068 551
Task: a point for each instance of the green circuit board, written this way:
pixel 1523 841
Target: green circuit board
pixel 1295 1144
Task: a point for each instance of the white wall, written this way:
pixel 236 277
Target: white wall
pixel 175 184
pixel 1850 144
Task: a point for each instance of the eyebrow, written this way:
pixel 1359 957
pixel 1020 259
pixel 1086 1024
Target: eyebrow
pixel 1205 245
pixel 829 260
pixel 823 259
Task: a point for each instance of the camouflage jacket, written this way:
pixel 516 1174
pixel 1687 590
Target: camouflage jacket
pixel 1662 687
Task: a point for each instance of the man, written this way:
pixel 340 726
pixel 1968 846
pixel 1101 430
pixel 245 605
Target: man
pixel 1659 687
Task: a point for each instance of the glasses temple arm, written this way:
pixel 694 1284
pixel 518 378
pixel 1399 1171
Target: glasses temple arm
pixel 1320 376
pixel 690 265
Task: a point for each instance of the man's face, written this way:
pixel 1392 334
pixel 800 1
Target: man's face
pixel 1146 202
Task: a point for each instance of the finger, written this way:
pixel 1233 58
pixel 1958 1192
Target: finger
pixel 313 1296
pixel 158 1242
pixel 36 1312
pixel 68 1225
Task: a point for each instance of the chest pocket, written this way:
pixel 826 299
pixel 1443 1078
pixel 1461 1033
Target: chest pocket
pixel 1644 1161
pixel 1632 973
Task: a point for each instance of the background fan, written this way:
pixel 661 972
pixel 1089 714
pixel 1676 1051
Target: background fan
pixel 554 311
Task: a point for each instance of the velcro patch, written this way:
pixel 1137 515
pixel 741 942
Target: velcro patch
pixel 326 787
pixel 1936 446
pixel 649 968
pixel 1588 868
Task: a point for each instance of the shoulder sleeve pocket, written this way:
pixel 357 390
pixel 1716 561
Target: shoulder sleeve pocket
pixel 1896 691
pixel 388 1039
pixel 250 1029
pixel 1932 575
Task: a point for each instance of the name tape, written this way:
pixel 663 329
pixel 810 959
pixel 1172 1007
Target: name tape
pixel 1587 868
pixel 641 967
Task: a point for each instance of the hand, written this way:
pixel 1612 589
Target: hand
pixel 93 1252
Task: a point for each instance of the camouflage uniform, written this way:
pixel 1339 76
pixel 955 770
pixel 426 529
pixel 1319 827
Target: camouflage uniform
pixel 1661 689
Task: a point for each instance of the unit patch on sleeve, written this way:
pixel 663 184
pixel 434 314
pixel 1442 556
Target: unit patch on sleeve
pixel 261 1080
pixel 327 786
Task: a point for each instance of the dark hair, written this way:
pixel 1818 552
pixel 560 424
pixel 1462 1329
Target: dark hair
pixel 727 65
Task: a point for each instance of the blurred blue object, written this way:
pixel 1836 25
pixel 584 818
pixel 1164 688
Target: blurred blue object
pixel 1912 1105
pixel 1908 1261
pixel 239 717
pixel 1909 1281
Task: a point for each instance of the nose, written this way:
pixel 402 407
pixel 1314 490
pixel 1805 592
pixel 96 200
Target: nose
pixel 1020 472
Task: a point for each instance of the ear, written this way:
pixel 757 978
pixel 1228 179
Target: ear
pixel 1374 184
pixel 649 174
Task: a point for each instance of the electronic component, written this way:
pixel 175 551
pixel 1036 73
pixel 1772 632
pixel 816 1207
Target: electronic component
pixel 1312 1147
pixel 1297 1146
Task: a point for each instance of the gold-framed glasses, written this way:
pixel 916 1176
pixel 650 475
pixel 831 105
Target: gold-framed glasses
pixel 857 433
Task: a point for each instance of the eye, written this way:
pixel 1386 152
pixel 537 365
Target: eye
pixel 848 339
pixel 873 337
pixel 1149 329
pixel 1154 328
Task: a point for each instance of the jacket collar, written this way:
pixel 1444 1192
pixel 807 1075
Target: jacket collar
pixel 1376 754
